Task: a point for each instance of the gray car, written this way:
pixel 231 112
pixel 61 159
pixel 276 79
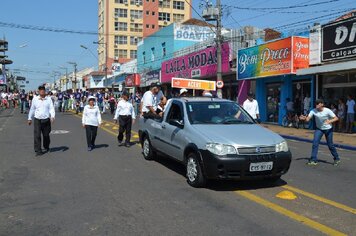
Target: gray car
pixel 214 139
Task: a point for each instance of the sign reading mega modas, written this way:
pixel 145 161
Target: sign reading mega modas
pixel 339 40
pixel 196 65
pixel 279 57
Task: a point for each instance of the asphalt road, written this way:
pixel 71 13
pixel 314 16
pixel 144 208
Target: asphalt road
pixel 114 191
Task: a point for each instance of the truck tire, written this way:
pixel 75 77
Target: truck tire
pixel 195 176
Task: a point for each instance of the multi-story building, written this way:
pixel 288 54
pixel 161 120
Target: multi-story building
pixel 124 23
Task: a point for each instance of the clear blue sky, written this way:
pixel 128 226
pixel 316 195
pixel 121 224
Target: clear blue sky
pixel 45 51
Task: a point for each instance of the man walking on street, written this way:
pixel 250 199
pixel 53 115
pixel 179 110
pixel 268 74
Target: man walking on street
pixel 23 98
pixel 324 118
pixel 251 106
pixel 126 115
pixel 350 118
pixel 43 110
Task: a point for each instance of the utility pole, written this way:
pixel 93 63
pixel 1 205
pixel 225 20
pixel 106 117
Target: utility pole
pixel 211 13
pixel 75 75
pixel 218 50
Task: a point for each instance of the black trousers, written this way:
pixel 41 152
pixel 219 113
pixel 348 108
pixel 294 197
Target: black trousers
pixel 91 132
pixel 125 123
pixel 41 128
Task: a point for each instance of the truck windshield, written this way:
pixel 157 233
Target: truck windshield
pixel 213 112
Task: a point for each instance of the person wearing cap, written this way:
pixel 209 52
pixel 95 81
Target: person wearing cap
pixel 42 110
pixel 91 119
pixel 251 106
pixel 125 113
pixel 324 118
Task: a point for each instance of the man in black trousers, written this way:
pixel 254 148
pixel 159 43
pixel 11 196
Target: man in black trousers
pixel 126 115
pixel 42 110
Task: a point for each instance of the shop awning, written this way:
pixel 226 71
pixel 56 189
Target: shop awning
pixel 349 65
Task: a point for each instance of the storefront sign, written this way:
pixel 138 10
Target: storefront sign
pixel 193 84
pixel 149 77
pixel 132 80
pixel 192 33
pixel 315 45
pixel 196 65
pixel 280 57
pixel 339 40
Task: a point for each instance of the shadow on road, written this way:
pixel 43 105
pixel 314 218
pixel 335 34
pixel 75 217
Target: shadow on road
pixel 306 159
pixel 101 146
pixel 59 149
pixel 222 185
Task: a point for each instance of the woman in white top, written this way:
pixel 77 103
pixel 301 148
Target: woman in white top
pixel 91 120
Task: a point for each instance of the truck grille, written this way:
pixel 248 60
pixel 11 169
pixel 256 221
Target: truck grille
pixel 256 150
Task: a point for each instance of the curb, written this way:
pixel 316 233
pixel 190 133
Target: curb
pixel 337 145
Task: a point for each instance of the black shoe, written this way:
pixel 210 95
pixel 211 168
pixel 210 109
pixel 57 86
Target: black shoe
pixel 46 150
pixel 39 154
pixel 127 145
pixel 120 144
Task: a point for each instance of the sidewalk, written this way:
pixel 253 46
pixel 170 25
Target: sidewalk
pixel 341 140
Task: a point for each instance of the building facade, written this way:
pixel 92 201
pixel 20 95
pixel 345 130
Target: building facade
pixel 122 24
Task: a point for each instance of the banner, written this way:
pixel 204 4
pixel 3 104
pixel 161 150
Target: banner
pixel 193 84
pixel 196 65
pixel 193 33
pixel 279 57
pixel 338 40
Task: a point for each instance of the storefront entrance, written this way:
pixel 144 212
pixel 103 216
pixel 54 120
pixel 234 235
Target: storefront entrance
pixel 301 89
pixel 273 99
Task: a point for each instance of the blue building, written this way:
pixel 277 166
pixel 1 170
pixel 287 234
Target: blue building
pixel 162 45
pixel 269 71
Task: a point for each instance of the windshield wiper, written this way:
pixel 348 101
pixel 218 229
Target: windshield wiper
pixel 231 121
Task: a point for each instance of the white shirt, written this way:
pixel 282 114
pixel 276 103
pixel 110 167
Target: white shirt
pixel 251 108
pixel 91 116
pixel 41 108
pixel 147 101
pixel 124 108
pixel 350 106
pixel 321 117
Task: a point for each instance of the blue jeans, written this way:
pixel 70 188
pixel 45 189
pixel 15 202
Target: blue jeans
pixel 318 134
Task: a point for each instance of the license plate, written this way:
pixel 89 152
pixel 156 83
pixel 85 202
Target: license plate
pixel 261 166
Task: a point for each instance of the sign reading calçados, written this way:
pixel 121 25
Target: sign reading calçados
pixel 193 84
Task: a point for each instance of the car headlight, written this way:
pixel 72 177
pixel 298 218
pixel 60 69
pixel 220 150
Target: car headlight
pixel 221 149
pixel 282 147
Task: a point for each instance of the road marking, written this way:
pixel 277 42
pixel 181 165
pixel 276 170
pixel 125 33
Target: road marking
pixel 286 195
pixel 302 219
pixel 321 199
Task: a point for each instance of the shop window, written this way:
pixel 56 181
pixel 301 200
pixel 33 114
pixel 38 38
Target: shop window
pixel 164 52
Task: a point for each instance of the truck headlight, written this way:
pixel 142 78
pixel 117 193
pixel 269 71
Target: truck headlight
pixel 221 149
pixel 282 147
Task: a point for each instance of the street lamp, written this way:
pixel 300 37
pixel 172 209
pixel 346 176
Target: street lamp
pixel 86 48
pixel 75 73
pixel 106 57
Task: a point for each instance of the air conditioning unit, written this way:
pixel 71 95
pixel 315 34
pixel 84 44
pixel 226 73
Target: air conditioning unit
pixel 137 3
pixel 116 58
pixel 165 22
pixel 132 18
pixel 115 45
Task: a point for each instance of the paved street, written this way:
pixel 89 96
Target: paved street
pixel 114 191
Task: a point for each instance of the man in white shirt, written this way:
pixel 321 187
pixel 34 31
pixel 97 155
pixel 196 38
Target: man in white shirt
pixel 324 118
pixel 350 117
pixel 43 110
pixel 150 103
pixel 251 106
pixel 125 113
